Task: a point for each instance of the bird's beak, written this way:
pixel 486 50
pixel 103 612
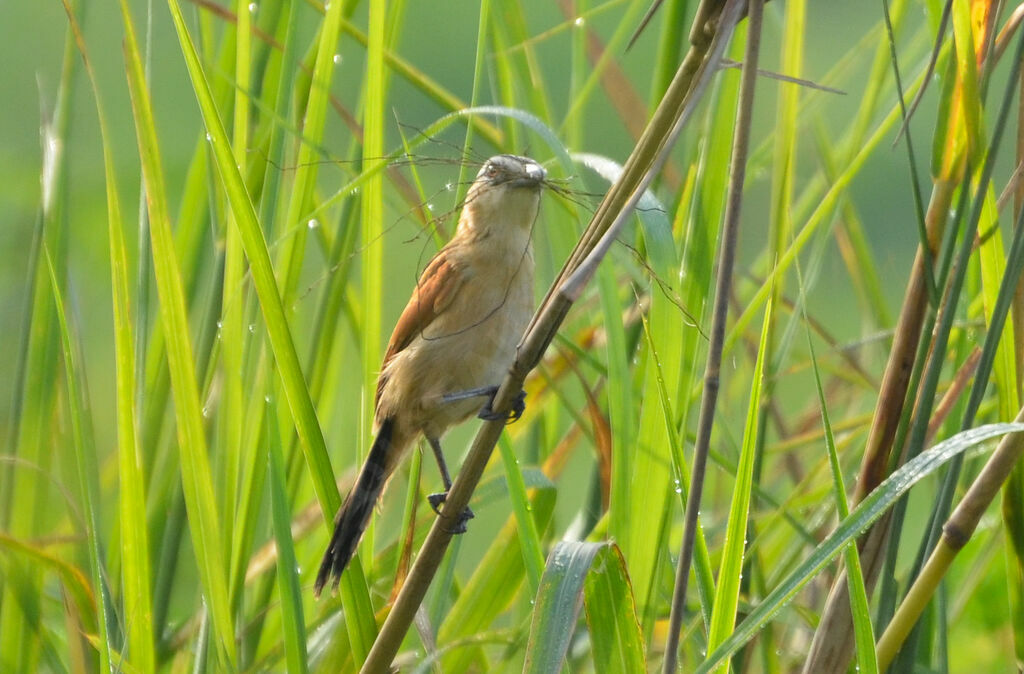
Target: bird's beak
pixel 535 175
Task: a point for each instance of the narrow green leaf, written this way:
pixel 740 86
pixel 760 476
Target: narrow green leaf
pixel 197 485
pixel 861 517
pixel 134 548
pixel 864 636
pixel 359 613
pixel 557 604
pixel 287 568
pixel 492 586
pixel 727 593
pixel 529 539
pixel 87 468
pixel 615 633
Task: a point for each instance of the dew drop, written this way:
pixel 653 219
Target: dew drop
pixel 312 224
pixel 578 21
pixel 209 137
pixel 337 58
pixel 253 7
pixel 206 411
pixel 252 328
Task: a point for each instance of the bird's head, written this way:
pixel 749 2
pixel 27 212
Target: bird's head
pixel 506 193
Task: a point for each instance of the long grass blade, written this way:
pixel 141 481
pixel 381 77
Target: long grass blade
pixel 195 465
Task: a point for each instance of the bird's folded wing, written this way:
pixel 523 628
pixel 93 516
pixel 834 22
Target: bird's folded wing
pixel 434 292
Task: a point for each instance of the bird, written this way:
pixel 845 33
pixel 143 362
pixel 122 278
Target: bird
pixel 452 344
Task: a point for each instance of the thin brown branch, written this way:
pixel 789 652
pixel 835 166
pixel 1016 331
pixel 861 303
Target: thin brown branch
pixel 723 289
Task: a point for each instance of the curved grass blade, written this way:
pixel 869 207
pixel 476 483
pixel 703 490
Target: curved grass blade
pixel 355 596
pixel 287 568
pixel 490 589
pixel 195 464
pixel 570 575
pixel 727 593
pixel 87 468
pixel 615 633
pixel 558 604
pixel 135 567
pixel 869 510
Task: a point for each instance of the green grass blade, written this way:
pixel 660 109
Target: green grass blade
pixel 529 539
pixel 490 589
pixel 287 568
pixel 360 622
pixel 200 500
pixel 861 517
pixel 372 212
pixel 723 614
pixel 87 468
pixel 557 605
pixel 864 637
pixel 232 330
pixel 134 544
pixel 617 642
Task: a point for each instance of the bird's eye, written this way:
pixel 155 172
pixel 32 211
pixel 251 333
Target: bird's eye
pixel 491 171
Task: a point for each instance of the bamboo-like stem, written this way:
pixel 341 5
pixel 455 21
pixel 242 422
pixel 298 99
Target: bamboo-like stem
pixel 647 157
pixel 723 290
pixel 955 534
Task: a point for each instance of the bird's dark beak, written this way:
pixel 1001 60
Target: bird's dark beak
pixel 534 176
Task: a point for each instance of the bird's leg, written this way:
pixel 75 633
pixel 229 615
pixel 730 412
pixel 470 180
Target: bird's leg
pixel 436 500
pixel 486 412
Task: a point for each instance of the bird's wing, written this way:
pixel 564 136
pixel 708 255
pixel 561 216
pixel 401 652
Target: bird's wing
pixel 434 292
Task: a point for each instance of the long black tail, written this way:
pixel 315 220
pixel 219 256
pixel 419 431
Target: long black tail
pixel 352 518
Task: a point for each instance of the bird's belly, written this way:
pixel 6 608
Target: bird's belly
pixel 453 355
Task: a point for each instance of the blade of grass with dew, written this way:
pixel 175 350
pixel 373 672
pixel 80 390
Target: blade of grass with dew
pixel 651 486
pixel 867 511
pixel 723 614
pixel 372 254
pixel 557 605
pixel 616 638
pixel 134 538
pixel 294 632
pixel 529 539
pixel 306 164
pixel 195 465
pixel 491 587
pixel 702 558
pixel 232 331
pixel 621 412
pixel 614 46
pixel 87 467
pixel 863 634
pixel 360 622
pixel 23 498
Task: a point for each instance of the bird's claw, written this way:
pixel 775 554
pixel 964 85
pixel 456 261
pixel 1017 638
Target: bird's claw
pixel 437 500
pixel 487 413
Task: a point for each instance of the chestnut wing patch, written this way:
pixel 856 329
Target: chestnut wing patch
pixel 434 292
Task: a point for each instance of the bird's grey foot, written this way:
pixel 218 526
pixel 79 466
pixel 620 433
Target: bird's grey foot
pixel 437 500
pixel 487 413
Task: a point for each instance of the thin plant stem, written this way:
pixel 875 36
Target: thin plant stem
pixel 723 289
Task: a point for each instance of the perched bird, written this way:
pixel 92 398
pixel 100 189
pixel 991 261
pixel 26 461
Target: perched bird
pixel 453 343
